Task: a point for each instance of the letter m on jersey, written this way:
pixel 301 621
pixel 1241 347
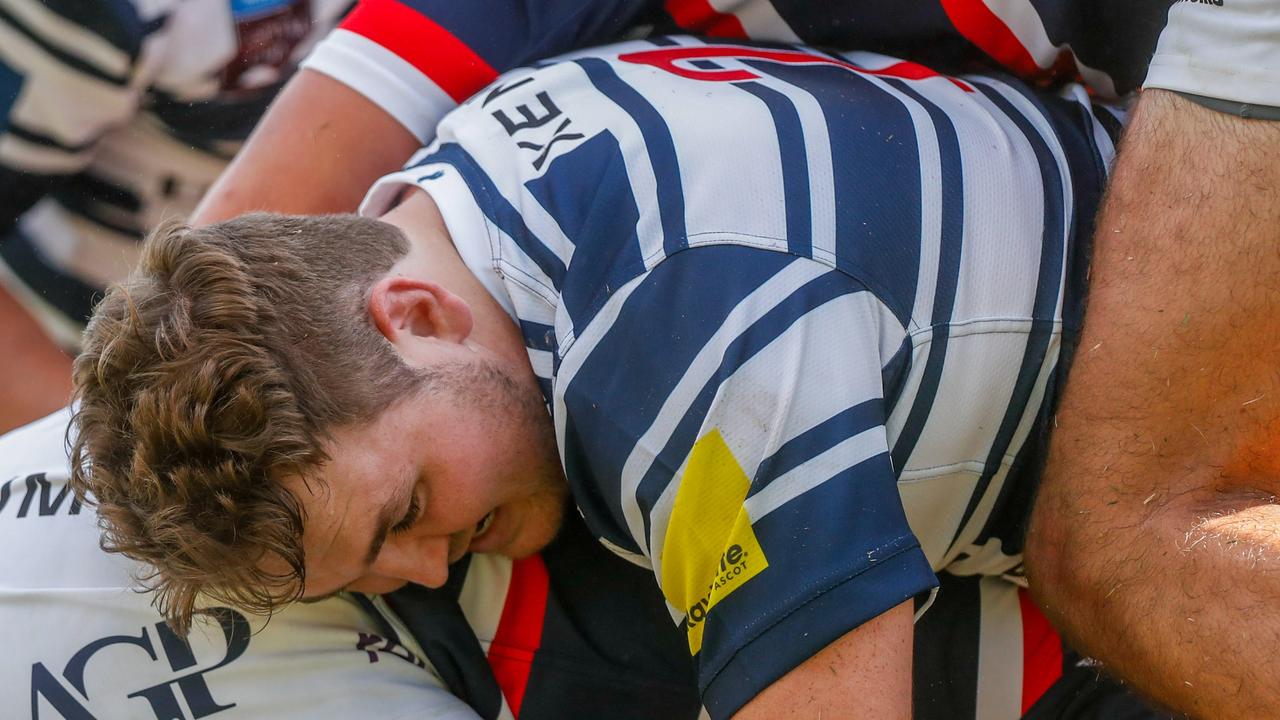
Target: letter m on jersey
pixel 710 549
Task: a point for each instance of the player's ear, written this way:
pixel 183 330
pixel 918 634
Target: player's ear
pixel 407 310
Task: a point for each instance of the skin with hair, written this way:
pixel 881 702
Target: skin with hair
pixel 1155 542
pixel 308 148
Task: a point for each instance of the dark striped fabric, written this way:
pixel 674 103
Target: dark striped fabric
pixel 115 115
pixel 578 632
pixel 418 58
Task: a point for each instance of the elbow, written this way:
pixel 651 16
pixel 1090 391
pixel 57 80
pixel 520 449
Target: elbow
pixel 1063 573
pixel 1050 568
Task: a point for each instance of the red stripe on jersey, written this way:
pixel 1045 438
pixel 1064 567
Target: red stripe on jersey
pixel 666 59
pixel 1041 652
pixel 519 632
pixel 419 41
pixel 698 16
pixel 975 21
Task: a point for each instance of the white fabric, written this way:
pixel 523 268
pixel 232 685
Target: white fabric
pixel 388 81
pixel 1229 50
pixel 80 642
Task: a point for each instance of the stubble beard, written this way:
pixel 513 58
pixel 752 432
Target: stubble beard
pixel 545 495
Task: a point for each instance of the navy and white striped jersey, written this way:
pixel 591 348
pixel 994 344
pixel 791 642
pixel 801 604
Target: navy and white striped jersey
pixel 418 58
pixel 115 115
pixel 799 317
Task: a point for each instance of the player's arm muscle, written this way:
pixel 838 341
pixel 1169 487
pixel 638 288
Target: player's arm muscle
pixel 317 150
pixel 864 674
pixel 1155 543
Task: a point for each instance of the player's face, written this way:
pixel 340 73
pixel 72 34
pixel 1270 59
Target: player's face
pixel 468 465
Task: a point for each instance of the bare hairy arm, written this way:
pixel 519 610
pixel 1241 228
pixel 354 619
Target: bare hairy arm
pixel 317 150
pixel 864 674
pixel 1155 542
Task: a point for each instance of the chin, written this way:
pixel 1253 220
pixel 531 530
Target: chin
pixel 541 525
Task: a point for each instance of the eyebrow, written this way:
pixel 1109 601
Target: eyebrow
pixel 390 514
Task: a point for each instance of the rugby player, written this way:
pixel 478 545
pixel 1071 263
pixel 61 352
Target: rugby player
pixel 394 67
pixel 800 320
pixel 1149 430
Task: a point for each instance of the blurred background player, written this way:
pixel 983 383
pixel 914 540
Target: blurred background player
pixel 114 115
pixel 394 67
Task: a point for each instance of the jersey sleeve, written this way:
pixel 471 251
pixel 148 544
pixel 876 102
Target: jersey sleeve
pixel 417 59
pixel 1225 55
pixel 723 419
pixel 67 74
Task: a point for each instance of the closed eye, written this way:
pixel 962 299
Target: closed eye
pixel 410 516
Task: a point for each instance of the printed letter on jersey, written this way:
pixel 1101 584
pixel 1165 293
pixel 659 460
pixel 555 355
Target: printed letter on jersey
pixel 710 549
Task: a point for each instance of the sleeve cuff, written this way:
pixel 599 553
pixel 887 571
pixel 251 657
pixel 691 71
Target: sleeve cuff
pixel 1225 52
pixel 400 89
pixel 1224 90
pixel 808 629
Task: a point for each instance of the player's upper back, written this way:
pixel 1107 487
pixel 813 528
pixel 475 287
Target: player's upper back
pixel 592 169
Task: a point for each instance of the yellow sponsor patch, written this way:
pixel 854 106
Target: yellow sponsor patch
pixel 710 549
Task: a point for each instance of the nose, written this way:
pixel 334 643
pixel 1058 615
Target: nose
pixel 418 559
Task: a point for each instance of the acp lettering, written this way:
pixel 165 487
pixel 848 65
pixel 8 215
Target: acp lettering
pixel 163 698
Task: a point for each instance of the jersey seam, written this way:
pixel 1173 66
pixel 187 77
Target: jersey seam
pixel 759 627
pixel 929 329
pixel 522 278
pixel 501 265
pixel 734 237
pixel 731 238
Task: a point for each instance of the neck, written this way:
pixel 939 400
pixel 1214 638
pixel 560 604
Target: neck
pixel 434 257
